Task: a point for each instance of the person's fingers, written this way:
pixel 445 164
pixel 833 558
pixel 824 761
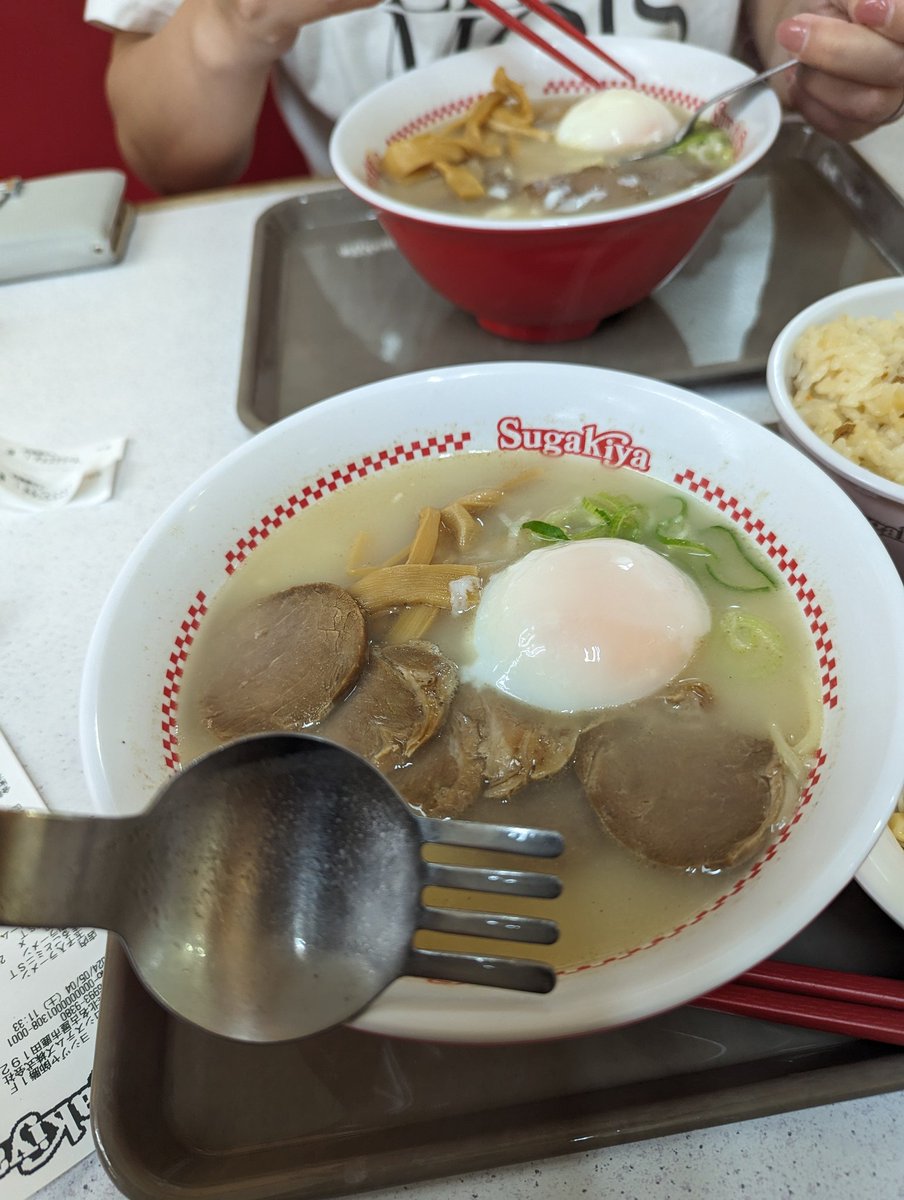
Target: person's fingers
pixel 884 16
pixel 839 108
pixel 844 50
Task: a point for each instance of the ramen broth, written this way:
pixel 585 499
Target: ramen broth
pixel 534 178
pixel 612 900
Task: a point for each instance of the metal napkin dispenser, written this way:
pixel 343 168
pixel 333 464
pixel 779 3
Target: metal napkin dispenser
pixel 57 223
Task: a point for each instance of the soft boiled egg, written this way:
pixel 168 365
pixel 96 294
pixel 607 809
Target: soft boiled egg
pixel 617 119
pixel 586 625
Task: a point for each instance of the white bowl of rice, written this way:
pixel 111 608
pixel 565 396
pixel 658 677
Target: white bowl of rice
pixel 836 378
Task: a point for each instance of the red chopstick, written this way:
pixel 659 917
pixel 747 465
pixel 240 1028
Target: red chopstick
pixel 510 21
pixel 555 18
pixel 834 985
pixel 862 1006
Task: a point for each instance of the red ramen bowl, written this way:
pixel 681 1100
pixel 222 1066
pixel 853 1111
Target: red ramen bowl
pixel 548 278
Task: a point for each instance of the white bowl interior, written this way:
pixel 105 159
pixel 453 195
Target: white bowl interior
pixel 421 98
pixel 816 538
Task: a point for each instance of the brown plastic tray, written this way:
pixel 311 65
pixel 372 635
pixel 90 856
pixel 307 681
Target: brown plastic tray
pixel 181 1115
pixel 333 305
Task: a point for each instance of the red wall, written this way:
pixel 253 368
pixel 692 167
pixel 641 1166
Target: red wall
pixel 53 114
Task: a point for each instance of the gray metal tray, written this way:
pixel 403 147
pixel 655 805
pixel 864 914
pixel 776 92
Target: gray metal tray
pixel 181 1115
pixel 332 304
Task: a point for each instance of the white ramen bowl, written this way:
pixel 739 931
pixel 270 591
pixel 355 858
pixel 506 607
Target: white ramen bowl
pixel 815 538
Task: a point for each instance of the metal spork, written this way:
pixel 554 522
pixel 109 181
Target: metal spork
pixel 687 127
pixel 273 888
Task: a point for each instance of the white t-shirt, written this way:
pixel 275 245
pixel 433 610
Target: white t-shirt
pixel 335 61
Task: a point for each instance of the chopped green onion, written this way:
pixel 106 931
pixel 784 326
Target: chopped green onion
pixel 625 517
pixel 596 506
pixel 629 525
pixel 759 644
pixel 670 532
pixel 735 568
pixel 602 504
pixel 687 545
pixel 545 531
pixel 613 516
pixel 673 527
pixel 620 517
pixel 708 146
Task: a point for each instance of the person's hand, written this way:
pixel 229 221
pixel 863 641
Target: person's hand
pixel 851 78
pixel 266 29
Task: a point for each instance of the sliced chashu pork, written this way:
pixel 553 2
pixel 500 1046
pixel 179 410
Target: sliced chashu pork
pixel 400 701
pixel 672 783
pixel 445 778
pixel 490 746
pixel 283 662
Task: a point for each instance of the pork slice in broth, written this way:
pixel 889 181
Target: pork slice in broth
pixel 518 744
pixel 574 190
pixel 674 784
pixel 445 778
pixel 401 700
pixel 490 746
pixel 613 187
pixel 284 661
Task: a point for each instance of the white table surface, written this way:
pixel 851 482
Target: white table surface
pixel 151 350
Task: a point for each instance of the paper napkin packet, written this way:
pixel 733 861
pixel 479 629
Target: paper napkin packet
pixel 34 479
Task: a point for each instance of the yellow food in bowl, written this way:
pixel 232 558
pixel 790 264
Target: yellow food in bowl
pixel 848 386
pixel 896 824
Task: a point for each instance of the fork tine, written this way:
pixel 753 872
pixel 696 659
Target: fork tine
pixel 542 843
pixel 484 879
pixel 519 974
pixel 502 926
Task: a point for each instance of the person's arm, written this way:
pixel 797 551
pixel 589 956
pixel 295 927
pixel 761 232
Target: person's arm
pixel 186 100
pixel 852 55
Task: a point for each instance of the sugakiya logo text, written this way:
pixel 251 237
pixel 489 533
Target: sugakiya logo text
pixel 36 1137
pixel 613 447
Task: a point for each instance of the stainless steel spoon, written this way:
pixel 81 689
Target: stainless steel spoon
pixel 273 888
pixel 689 125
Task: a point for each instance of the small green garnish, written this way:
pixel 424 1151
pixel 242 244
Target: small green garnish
pixel 686 544
pixel 709 146
pixel 606 516
pixel 759 644
pixel 598 516
pixel 623 517
pixel 733 567
pixel 545 531
pixel 674 526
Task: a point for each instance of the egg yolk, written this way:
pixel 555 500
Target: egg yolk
pixel 616 119
pixel 586 625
